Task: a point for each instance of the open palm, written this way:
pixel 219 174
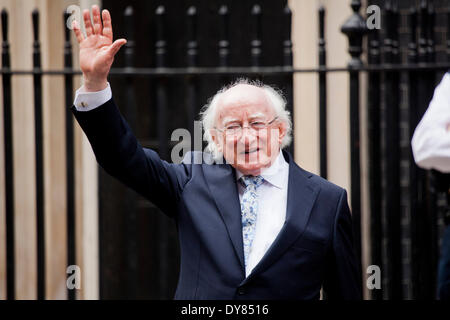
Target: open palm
pixel 97 49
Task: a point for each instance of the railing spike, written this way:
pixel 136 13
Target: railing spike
pixel 224 44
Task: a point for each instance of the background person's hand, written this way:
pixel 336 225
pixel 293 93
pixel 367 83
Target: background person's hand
pixel 97 49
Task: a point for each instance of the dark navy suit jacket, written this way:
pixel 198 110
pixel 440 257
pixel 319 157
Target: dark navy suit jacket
pixel 313 249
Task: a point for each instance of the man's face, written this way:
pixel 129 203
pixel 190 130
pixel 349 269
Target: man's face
pixel 247 131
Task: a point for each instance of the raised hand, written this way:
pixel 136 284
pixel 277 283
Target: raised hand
pixel 97 49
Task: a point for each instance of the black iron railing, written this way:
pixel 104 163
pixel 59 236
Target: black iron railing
pixel 404 219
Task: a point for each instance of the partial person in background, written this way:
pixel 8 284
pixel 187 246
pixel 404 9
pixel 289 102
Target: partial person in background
pixel 431 150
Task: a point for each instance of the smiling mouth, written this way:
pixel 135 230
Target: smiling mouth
pixel 250 151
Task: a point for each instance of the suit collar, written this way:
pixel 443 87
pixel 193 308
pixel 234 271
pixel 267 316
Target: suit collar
pixel 277 174
pixel 273 174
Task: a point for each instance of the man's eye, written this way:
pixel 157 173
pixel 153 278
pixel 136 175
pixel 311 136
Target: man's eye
pixel 257 124
pixel 233 127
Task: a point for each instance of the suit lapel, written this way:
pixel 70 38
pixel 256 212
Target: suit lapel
pixel 222 184
pixel 300 201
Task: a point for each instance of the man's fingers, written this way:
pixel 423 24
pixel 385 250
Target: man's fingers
pixel 115 47
pixel 97 20
pixel 76 29
pixel 87 23
pixel 107 25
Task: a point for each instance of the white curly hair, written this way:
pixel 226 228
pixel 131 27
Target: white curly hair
pixel 275 96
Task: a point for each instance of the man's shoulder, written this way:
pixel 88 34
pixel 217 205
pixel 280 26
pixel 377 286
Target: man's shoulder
pixel 198 157
pixel 325 185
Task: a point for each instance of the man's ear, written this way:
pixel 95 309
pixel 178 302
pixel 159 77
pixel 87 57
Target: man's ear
pixel 282 131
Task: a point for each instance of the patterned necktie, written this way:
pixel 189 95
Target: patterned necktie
pixel 249 211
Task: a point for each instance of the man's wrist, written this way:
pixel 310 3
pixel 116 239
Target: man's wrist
pixel 95 85
pixel 87 101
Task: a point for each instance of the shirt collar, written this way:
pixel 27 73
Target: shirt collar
pixel 272 174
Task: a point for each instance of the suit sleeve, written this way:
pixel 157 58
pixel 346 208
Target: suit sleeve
pixel 120 154
pixel 343 279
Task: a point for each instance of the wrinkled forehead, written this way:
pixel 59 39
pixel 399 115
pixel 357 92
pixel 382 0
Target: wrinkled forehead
pixel 244 100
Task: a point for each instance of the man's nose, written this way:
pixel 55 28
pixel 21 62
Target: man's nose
pixel 247 135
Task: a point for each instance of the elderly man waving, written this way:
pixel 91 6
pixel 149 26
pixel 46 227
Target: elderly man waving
pixel 252 224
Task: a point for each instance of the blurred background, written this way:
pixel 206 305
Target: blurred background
pixel 357 84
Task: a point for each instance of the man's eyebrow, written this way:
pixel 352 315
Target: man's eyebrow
pixel 229 119
pixel 253 116
pixel 257 115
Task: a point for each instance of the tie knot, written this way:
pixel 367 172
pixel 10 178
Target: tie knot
pixel 252 181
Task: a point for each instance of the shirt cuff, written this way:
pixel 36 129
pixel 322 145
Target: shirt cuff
pixel 87 101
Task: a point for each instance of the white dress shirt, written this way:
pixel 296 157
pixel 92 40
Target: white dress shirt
pixel 431 139
pixel 272 203
pixel 272 194
pixel 86 101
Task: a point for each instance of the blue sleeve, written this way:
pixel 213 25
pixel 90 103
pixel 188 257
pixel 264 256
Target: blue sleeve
pixel 120 154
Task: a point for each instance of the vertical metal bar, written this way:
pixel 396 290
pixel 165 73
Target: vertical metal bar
pixel 287 63
pixel 70 154
pixel 224 44
pixel 433 196
pixel 130 197
pixel 9 161
pixel 355 160
pixel 413 121
pixel 287 42
pixel 39 157
pixel 192 44
pixel 161 52
pixel 393 110
pixel 386 199
pixel 373 124
pixel 448 33
pixel 354 28
pixel 390 164
pixel 322 95
pixel 256 42
pixel 191 60
pixel 423 230
pixel 162 109
pixel 423 33
pixel 421 239
pixel 431 52
pixel 404 189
